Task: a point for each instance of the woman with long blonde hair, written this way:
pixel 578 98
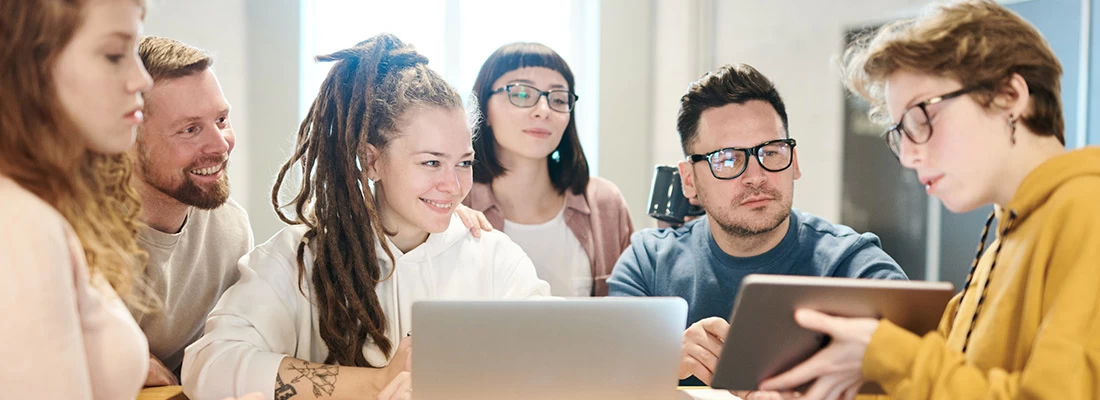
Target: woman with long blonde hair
pixel 69 107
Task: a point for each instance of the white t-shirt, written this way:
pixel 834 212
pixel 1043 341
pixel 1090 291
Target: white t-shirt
pixel 557 254
pixel 265 316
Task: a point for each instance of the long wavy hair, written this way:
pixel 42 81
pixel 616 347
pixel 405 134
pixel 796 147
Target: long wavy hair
pixel 41 148
pixel 362 100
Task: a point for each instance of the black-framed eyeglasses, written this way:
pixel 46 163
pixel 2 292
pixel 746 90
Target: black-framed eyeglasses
pixel 527 96
pixel 915 122
pixel 731 162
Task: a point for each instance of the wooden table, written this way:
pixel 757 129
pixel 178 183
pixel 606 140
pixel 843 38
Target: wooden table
pixel 162 393
pixel 685 393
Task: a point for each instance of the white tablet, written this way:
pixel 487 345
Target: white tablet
pixel 764 340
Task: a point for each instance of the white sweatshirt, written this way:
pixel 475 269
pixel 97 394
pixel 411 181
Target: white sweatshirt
pixel 265 317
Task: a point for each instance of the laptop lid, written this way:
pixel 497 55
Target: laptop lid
pixel 598 348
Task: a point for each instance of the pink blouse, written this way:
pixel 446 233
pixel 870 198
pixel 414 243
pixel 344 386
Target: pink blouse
pixel 65 335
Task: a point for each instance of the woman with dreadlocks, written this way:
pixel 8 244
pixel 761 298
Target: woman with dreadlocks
pixel 323 308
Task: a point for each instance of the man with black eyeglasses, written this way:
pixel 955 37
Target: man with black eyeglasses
pixel 740 165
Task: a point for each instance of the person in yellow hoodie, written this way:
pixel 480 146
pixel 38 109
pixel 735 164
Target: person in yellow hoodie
pixel 971 92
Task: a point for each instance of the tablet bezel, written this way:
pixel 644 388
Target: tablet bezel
pixel 764 339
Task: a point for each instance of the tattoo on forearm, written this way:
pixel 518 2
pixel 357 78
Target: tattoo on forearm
pixel 283 391
pixel 322 377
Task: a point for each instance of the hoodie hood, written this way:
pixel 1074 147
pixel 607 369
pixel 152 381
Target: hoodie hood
pixel 435 244
pixel 1034 191
pixel 1038 186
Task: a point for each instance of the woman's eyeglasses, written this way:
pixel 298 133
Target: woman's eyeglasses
pixel 526 96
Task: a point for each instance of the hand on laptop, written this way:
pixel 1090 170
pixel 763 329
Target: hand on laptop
pixel 702 345
pixel 402 359
pixel 400 388
pixel 392 381
pixel 159 375
pixel 399 373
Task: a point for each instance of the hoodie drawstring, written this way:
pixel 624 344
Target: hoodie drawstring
pixel 974 267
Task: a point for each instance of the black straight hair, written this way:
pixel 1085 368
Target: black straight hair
pixel 569 169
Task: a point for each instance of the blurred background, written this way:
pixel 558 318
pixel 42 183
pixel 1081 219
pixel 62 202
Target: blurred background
pixel 633 59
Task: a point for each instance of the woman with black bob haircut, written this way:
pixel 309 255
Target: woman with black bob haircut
pixel 531 175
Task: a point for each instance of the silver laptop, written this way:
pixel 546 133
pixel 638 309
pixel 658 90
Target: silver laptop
pixel 598 349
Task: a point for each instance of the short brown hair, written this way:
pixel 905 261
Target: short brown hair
pixel 976 42
pixel 166 58
pixel 729 84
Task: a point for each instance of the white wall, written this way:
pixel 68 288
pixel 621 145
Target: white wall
pixel 650 50
pixel 626 106
pixel 275 60
pixel 683 42
pixel 255 46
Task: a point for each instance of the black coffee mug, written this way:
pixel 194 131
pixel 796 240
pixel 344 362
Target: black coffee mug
pixel 666 198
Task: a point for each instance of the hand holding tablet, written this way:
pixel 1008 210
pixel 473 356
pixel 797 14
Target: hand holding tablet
pixel 764 339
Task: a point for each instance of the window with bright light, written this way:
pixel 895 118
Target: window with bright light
pixel 457 36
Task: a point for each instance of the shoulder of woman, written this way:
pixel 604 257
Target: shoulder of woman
pixel 603 193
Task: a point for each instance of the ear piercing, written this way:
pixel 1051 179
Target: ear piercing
pixel 1012 126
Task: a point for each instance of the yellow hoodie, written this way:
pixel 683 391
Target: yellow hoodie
pixel 1037 330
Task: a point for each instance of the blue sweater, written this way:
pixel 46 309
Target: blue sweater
pixel 688 263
